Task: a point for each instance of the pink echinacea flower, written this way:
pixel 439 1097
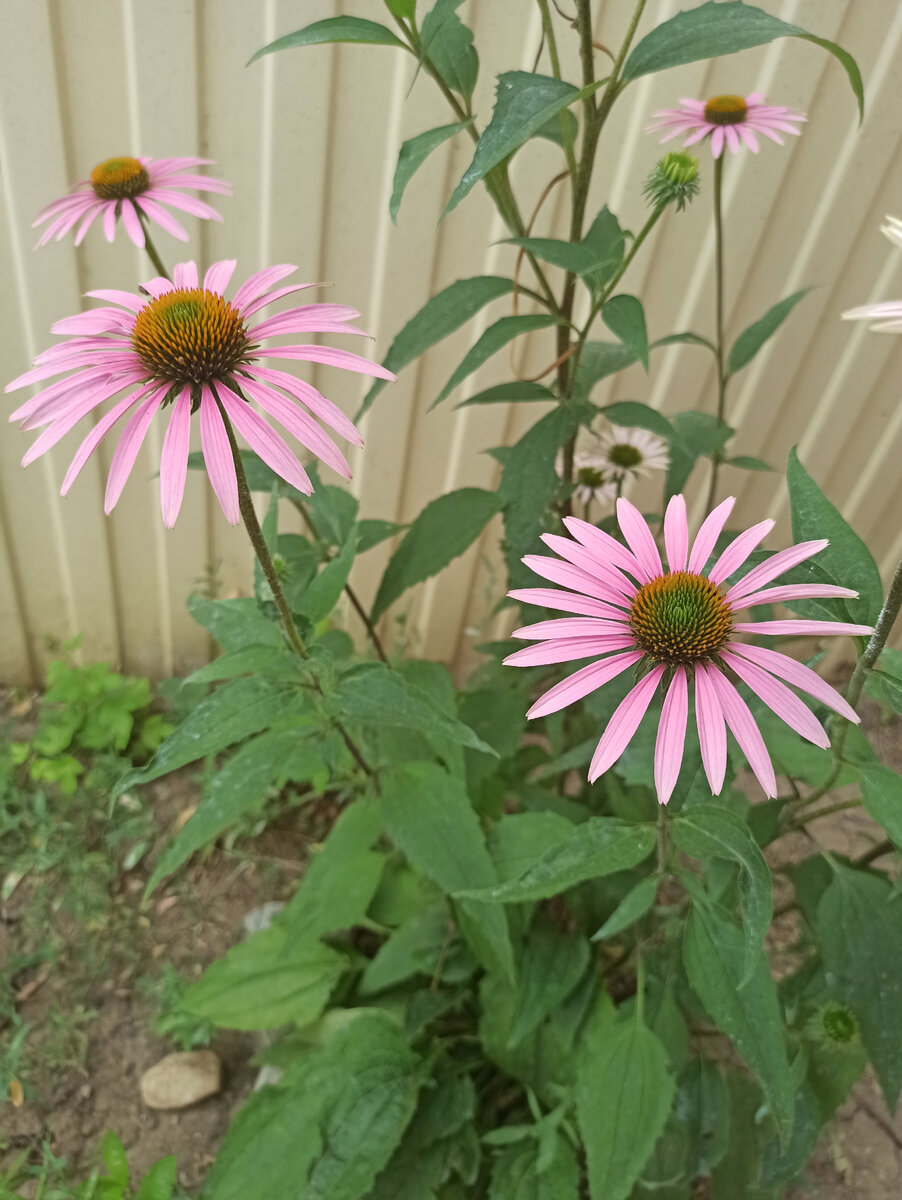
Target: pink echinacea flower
pixel 183 346
pixel 728 120
pixel 681 626
pixel 133 190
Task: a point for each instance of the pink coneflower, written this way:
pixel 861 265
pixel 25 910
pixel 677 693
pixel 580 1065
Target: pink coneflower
pixel 681 626
pixel 185 347
pixel 888 313
pixel 729 120
pixel 134 189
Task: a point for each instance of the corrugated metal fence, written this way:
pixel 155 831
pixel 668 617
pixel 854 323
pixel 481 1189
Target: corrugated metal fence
pixel 309 139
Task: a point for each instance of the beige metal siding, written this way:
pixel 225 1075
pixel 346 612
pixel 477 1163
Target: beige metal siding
pixel 309 140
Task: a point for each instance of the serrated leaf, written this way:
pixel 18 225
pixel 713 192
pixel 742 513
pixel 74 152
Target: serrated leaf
pixel 714 956
pixel 625 317
pixel 495 338
pixel 552 965
pixel 439 317
pixel 373 530
pixel 445 528
pixel 846 560
pixel 710 831
pixel 635 904
pixel 517 1172
pixel 624 1091
pixel 600 846
pixel 428 815
pixel 333 29
pixel 633 415
pixel 448 44
pixel 323 592
pixel 246 660
pixel 235 623
pixel 859 925
pixel 723 28
pixel 159 1182
pixel 752 339
pixel 412 155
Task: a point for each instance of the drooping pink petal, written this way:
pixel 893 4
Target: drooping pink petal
pixel 67 418
pixel 742 725
pixel 779 699
pixel 174 458
pixel 749 138
pixel 219 276
pixel 318 404
pixel 306 318
pixel 165 220
pixel 217 452
pixel 184 275
pixel 605 546
pixel 127 451
pixel 639 539
pixel 731 137
pixel 263 439
pixel 90 217
pixel 569 576
pixel 132 224
pixel 544 654
pixel 188 204
pixel 582 682
pixel 606 573
pixel 109 223
pixel 198 183
pixel 798 675
pixel 86 379
pixel 738 551
pixel 299 425
pixel 101 429
pixel 775 565
pixel 717 140
pixel 330 357
pixel 257 284
pixel 794 591
pixel 671 736
pixel 570 627
pixel 566 602
pixel 707 536
pixel 712 732
pixel 676 533
pixel 806 628
pixel 624 723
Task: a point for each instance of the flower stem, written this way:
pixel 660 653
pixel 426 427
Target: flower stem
pixel 719 305
pixel 663 839
pixel 152 252
pixel 548 32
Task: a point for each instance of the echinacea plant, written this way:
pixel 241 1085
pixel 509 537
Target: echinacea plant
pixel 532 957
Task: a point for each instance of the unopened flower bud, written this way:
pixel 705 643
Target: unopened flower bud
pixel 835 1026
pixel 674 180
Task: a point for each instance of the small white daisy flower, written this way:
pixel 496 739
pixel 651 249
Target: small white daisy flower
pixel 628 453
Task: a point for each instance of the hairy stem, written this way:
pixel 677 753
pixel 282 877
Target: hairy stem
pixel 719 305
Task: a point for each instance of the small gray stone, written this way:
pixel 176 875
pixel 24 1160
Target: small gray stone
pixel 179 1080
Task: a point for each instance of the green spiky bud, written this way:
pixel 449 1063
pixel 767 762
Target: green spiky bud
pixel 835 1026
pixel 674 180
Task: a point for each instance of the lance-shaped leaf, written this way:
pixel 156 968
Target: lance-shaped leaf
pixel 492 340
pixel 633 415
pixel 625 317
pixel 881 791
pixel 448 45
pixel 412 155
pixel 553 964
pixel 504 393
pixel 333 29
pixel 752 339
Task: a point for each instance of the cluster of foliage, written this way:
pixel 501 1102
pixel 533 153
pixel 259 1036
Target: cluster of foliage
pixel 496 980
pixel 50 1178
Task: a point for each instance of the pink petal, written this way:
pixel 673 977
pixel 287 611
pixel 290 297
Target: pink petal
pixel 158 167
pixel 639 539
pixel 57 391
pixel 671 736
pixel 330 357
pixel 299 425
pixel 73 202
pixel 165 220
pixel 127 450
pixel 803 628
pixel 95 320
pixel 779 699
pixel 776 565
pixel 257 284
pixel 676 533
pixel 188 204
pixel 746 732
pixel 732 138
pixel 589 562
pixel 570 627
pixel 624 723
pixel 109 222
pixel 200 183
pixel 748 137
pixel 605 546
pixel 701 132
pixel 318 404
pixel 174 458
pixel 572 577
pixel 717 140
pixel 738 551
pixel 185 275
pixel 219 276
pixel 126 299
pixel 90 217
pixel 306 318
pixel 132 224
pixel 544 654
pixel 581 683
pixel 798 675
pixel 270 297
pixel 794 591
pixel 565 602
pixel 712 732
pixel 707 536
pixel 158 286
pixel 99 432
pixel 262 438
pixel 218 456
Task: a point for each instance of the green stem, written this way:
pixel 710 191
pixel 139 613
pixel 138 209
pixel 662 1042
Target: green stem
pixel 151 249
pixel 640 987
pixel 719 307
pixel 840 806
pixel 548 30
pixel 662 838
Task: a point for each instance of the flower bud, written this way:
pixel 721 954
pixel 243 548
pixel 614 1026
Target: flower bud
pixel 835 1026
pixel 674 180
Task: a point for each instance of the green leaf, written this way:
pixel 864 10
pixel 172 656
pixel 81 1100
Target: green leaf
pixel 266 981
pixel 524 103
pixel 236 623
pixel 236 711
pixel 695 435
pixel 401 8
pixel 569 256
pixel 552 965
pixel 323 592
pixel 859 924
pixel 847 560
pixel 492 340
pixel 881 791
pixel 159 1182
pixel 597 361
pixel 341 879
pixel 561 129
pixel 714 956
pixel 606 242
pixel 334 29
pixel 246 660
pixel 269 760
pixel 333 510
pixel 428 815
pixel 600 846
pixel 722 28
pixel 517 1172
pixel 625 317
pixel 752 339
pixel 439 317
pixel 703 1109
pixel 635 904
pixel 114 1160
pixel 710 831
pixel 373 530
pixel 448 44
pixel 372 694
pixel 415 948
pixel 528 479
pixel 745 462
pixel 444 529
pixel 624 1090
pixel 685 339
pixel 633 415
pixel 413 154
pixel 503 393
